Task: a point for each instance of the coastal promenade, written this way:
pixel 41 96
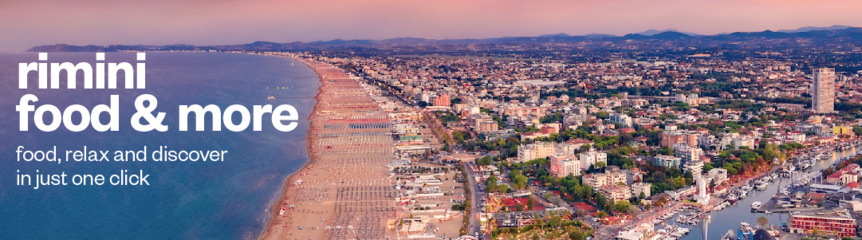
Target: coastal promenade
pixel 344 192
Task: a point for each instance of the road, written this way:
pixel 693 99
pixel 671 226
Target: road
pixel 475 199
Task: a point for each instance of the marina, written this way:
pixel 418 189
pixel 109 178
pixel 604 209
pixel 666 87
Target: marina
pixel 728 215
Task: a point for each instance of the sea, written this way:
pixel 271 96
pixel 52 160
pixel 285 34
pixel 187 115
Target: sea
pixel 185 200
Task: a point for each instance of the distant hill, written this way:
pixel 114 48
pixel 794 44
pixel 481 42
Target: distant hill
pixel 655 31
pixel 810 28
pixel 822 34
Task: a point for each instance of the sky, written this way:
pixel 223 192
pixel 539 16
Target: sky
pixel 26 23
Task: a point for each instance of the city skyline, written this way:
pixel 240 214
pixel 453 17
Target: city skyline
pixel 234 22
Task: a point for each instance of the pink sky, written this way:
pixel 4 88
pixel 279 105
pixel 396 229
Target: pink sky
pixel 28 23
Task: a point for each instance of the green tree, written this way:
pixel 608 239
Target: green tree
pixel 491 183
pixel 622 205
pixel 762 220
pixel 600 165
pixel 603 115
pixel 601 200
pixel 633 210
pixel 577 234
pixel 485 161
pixel 458 136
pixel 601 214
pixel 520 181
pixel 502 188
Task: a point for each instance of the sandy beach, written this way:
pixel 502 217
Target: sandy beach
pixel 344 192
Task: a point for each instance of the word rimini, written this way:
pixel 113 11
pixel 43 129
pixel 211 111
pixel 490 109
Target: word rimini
pixel 106 75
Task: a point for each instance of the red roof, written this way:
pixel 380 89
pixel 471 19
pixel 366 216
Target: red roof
pixel 512 203
pixel 853 185
pixel 814 195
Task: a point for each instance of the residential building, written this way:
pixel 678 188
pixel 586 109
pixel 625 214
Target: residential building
pixel 564 165
pixel 743 142
pixel 535 150
pixel 687 153
pixel 566 148
pixel 486 125
pixel 837 225
pixel 595 180
pixel 442 100
pixel 823 90
pixel 669 138
pixel 616 192
pixel 620 118
pixel 717 175
pixel 592 157
pixel 641 187
pixel 667 161
pixel 695 167
pixel 611 176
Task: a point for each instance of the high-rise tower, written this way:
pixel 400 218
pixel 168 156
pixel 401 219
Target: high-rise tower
pixel 823 90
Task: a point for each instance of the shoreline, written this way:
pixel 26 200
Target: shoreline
pixel 275 208
pixel 344 190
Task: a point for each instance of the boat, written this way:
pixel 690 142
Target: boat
pixel 270 98
pixel 745 230
pixel 732 198
pixel 762 186
pixel 729 235
pixel 756 205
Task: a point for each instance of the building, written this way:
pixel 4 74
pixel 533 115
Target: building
pixel 621 119
pixel 687 153
pixel 535 150
pixel 611 176
pixel 838 225
pixel 669 138
pixel 596 180
pixel 592 157
pixel 494 135
pixel 544 150
pixel 634 175
pixel 564 165
pixel 615 176
pixel 717 175
pixel 566 148
pixel 575 120
pixel 695 167
pixel 702 194
pixel 667 161
pixel 823 90
pixel 641 187
pixel 842 177
pixel 616 192
pixel 743 142
pixel 486 125
pixel 843 130
pixel 442 100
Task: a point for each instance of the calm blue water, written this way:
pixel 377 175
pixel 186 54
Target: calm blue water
pixel 200 200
